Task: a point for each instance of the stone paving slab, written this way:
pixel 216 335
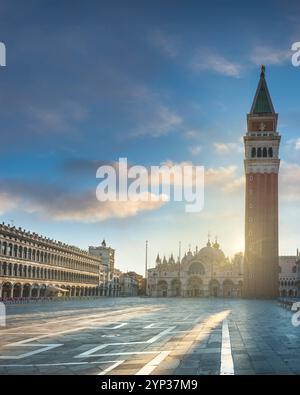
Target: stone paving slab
pixel 185 337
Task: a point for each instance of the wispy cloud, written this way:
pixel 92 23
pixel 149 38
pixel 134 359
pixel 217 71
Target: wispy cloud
pixel 192 134
pixel 268 55
pixel 228 148
pixel 59 204
pixel 227 179
pixel 161 122
pixel 7 202
pixel 218 64
pixel 167 44
pixel 195 150
pixel 289 181
pixel 61 118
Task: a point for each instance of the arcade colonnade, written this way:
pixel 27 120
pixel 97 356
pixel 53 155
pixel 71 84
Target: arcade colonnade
pixel 34 266
pixel 195 286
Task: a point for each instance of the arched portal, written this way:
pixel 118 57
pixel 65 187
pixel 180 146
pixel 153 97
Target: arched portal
pixel 17 292
pixel 35 291
pixel 43 290
pixel 228 288
pixel 195 287
pixel 6 290
pixel 176 287
pixel 26 290
pixel 214 288
pixel 162 288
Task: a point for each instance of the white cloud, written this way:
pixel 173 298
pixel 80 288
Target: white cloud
pixel 289 184
pixel 293 144
pixel 267 55
pixel 95 211
pixel 217 63
pixel 61 118
pixel 195 150
pixel 226 148
pixel 82 207
pixel 192 134
pixel 7 202
pixel 162 122
pixel 216 176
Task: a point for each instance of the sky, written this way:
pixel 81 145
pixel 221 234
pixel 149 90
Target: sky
pixel 86 83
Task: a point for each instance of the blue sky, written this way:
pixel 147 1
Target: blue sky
pixel 87 83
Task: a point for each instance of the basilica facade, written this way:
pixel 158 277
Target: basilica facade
pixel 201 273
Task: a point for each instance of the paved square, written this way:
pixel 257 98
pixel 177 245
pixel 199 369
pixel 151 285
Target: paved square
pixel 150 336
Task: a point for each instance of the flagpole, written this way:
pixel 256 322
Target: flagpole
pixel 146 269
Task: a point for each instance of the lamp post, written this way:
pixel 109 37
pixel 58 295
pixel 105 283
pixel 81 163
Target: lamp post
pixel 179 271
pixel 146 269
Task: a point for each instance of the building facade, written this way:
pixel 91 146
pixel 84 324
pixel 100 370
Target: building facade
pixel 140 281
pixel 35 266
pixel 289 275
pixel 109 276
pixel 261 196
pixel 202 273
pixel 129 285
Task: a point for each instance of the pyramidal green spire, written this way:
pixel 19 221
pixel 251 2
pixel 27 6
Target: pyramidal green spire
pixel 262 103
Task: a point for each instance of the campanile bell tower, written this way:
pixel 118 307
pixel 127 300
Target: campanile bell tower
pixel 261 199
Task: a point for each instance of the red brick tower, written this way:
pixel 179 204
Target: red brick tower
pixel 261 211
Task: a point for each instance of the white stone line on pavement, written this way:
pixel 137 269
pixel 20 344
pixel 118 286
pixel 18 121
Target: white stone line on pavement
pixel 80 317
pixel 56 364
pixel 150 366
pixel 43 347
pixel 90 353
pixel 159 335
pixel 118 326
pixel 32 339
pixel 149 326
pixel 110 368
pixel 115 354
pixel 89 317
pixel 188 316
pixel 227 367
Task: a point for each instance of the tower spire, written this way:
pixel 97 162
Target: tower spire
pixel 262 103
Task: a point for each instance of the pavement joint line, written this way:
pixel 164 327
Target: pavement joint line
pixel 149 326
pixel 57 364
pixel 153 364
pixel 113 354
pixel 43 347
pixel 227 367
pixel 110 368
pixel 118 326
pixel 90 353
pixel 88 317
pixel 52 334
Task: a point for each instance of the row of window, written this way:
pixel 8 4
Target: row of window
pixel 24 271
pixel 290 283
pixel 15 251
pixel 262 152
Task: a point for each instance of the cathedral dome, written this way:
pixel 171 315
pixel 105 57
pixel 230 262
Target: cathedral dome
pixel 211 254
